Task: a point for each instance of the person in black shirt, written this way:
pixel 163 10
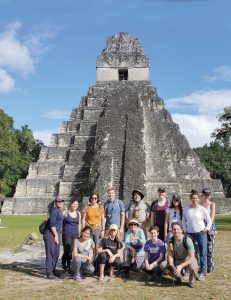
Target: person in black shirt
pixel 109 251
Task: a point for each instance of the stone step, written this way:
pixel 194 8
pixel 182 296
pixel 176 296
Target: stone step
pixel 39 186
pixel 46 168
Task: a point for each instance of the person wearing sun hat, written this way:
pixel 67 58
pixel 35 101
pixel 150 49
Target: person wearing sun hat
pixel 134 247
pixel 51 237
pixel 138 208
pixel 109 251
pixel 211 234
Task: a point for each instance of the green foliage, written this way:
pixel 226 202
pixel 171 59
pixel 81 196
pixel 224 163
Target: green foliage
pixel 17 149
pixel 217 160
pixel 223 134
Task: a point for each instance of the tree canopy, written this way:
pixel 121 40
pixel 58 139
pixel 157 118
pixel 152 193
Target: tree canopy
pixel 217 156
pixel 17 149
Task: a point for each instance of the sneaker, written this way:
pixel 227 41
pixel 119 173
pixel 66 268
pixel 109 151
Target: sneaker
pixel 201 277
pixel 78 278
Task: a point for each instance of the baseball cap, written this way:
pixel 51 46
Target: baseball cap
pixel 59 198
pixel 161 190
pixel 113 227
pixel 176 197
pixel 206 191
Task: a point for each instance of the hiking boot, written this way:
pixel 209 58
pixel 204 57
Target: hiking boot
pixel 172 270
pixel 192 280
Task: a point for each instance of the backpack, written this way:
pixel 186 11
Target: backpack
pixel 43 226
pixel 195 244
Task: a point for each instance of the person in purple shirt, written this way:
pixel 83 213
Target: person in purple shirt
pixel 51 237
pixel 154 252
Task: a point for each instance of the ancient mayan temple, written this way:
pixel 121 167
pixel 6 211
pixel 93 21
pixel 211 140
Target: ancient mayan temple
pixel 120 135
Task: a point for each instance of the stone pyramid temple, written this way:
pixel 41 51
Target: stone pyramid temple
pixel 120 135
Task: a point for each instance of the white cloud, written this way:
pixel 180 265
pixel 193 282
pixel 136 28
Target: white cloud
pixel 222 73
pixel 14 54
pixel 56 114
pixel 202 102
pixel 7 83
pixel 21 54
pixel 199 114
pixel 44 135
pixel 196 128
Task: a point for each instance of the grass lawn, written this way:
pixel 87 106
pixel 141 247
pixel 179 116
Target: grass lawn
pixel 18 282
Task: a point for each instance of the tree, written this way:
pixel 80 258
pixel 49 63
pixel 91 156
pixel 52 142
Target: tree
pixel 223 134
pixel 217 160
pixel 17 149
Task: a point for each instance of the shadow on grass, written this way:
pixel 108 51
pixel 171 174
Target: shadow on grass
pixel 161 282
pixel 24 268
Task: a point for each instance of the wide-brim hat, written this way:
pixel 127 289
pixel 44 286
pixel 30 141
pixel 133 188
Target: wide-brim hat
pixel 138 191
pixel 133 221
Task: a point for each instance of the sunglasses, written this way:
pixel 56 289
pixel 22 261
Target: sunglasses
pixel 132 225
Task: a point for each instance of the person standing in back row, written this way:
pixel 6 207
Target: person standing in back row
pixel 139 209
pixel 114 211
pixel 211 208
pixel 158 211
pixel 51 237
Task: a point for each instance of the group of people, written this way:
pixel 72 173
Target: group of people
pixel 181 239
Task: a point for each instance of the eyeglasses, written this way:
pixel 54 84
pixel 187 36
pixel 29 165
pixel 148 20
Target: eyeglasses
pixel 133 225
pixel 94 198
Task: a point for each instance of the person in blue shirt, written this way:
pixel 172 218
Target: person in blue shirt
pixel 134 247
pixel 52 237
pixel 114 211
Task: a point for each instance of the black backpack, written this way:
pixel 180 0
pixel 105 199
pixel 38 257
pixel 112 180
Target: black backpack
pixel 195 244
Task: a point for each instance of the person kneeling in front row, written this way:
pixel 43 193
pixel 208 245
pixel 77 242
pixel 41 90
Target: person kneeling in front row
pixel 109 251
pixel 181 254
pixel 84 254
pixel 154 253
pixel 134 247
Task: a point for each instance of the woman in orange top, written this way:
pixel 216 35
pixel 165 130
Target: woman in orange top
pixel 93 216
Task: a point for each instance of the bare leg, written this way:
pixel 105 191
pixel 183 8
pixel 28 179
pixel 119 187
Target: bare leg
pixel 101 271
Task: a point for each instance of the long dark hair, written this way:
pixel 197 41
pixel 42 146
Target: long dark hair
pixel 179 206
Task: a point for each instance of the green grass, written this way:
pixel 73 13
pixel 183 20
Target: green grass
pixel 223 222
pixel 21 281
pixel 16 229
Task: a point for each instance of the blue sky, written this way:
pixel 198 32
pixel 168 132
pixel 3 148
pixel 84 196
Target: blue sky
pixel 48 52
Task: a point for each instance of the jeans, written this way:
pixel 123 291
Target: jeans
pixel 201 239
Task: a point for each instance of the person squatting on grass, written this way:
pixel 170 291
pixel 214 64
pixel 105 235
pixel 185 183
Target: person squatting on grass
pixel 51 237
pixel 133 252
pixel 71 231
pixel 109 251
pixel 196 222
pixel 84 254
pixel 154 253
pixel 181 254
